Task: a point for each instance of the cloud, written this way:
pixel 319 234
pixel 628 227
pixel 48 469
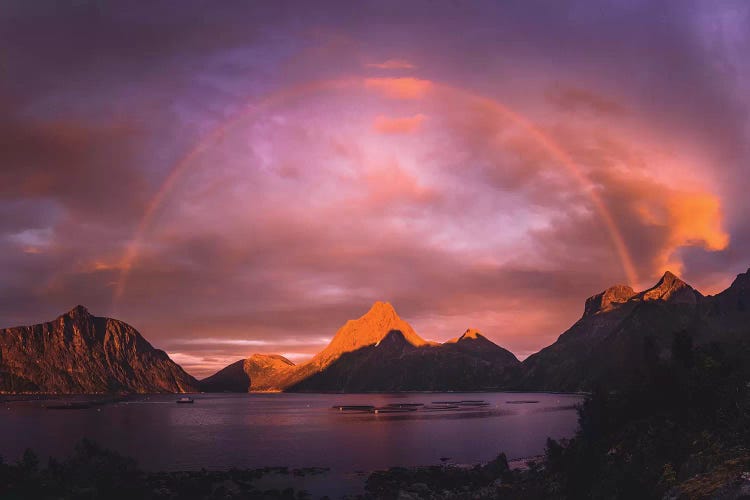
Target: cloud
pixel 673 217
pixel 78 165
pixel 402 125
pixel 201 366
pixel 697 220
pixel 400 88
pixel 392 64
pixel 253 342
pixel 311 207
pixel 574 99
pixel 469 227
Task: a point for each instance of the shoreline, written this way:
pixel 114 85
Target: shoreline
pixel 9 396
pixel 447 480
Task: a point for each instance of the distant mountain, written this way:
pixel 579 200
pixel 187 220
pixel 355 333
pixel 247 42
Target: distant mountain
pixel 620 330
pixel 473 343
pixel 78 353
pixel 381 352
pixel 259 372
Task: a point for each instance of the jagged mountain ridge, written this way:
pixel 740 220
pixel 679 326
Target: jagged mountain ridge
pixel 395 365
pixel 606 345
pixel 620 328
pixel 81 353
pixel 78 353
pixel 367 330
pixel 381 352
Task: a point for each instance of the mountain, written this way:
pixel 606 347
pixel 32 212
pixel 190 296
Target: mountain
pixel 394 364
pixel 621 330
pixel 366 331
pixel 473 343
pixel 381 352
pixel 259 372
pixel 79 353
pixel 619 334
pixel 728 313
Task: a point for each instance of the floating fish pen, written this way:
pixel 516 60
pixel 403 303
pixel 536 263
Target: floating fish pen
pixel 521 402
pixel 353 407
pixel 393 409
pixel 441 407
pixel 466 404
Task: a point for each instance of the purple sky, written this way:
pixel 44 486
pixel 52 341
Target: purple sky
pixel 239 177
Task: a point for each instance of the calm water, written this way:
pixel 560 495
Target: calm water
pixel 296 430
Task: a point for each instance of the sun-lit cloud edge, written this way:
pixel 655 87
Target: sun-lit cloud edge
pixel 392 64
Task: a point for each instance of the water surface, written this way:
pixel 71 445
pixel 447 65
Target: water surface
pixel 221 431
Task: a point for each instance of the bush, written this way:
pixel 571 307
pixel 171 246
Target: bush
pixel 632 440
pixel 91 472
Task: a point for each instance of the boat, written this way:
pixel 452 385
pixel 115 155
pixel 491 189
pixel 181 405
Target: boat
pixel 185 400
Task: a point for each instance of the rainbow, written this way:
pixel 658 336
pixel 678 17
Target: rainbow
pixel 186 162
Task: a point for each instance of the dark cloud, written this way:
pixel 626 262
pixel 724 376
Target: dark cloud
pixel 418 186
pixel 82 167
pixel 577 99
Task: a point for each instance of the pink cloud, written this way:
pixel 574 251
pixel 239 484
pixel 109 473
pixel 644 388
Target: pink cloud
pixel 400 125
pixel 392 64
pixel 391 184
pixel 472 221
pixel 571 98
pixel 304 214
pixel 400 88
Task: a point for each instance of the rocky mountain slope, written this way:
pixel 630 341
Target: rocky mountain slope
pixel 394 364
pixel 259 372
pixel 79 353
pixel 366 331
pixel 621 330
pixel 381 352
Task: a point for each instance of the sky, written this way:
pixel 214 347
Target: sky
pixel 241 177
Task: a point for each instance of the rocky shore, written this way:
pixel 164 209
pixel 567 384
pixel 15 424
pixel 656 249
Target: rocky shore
pixel 96 473
pixel 92 472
